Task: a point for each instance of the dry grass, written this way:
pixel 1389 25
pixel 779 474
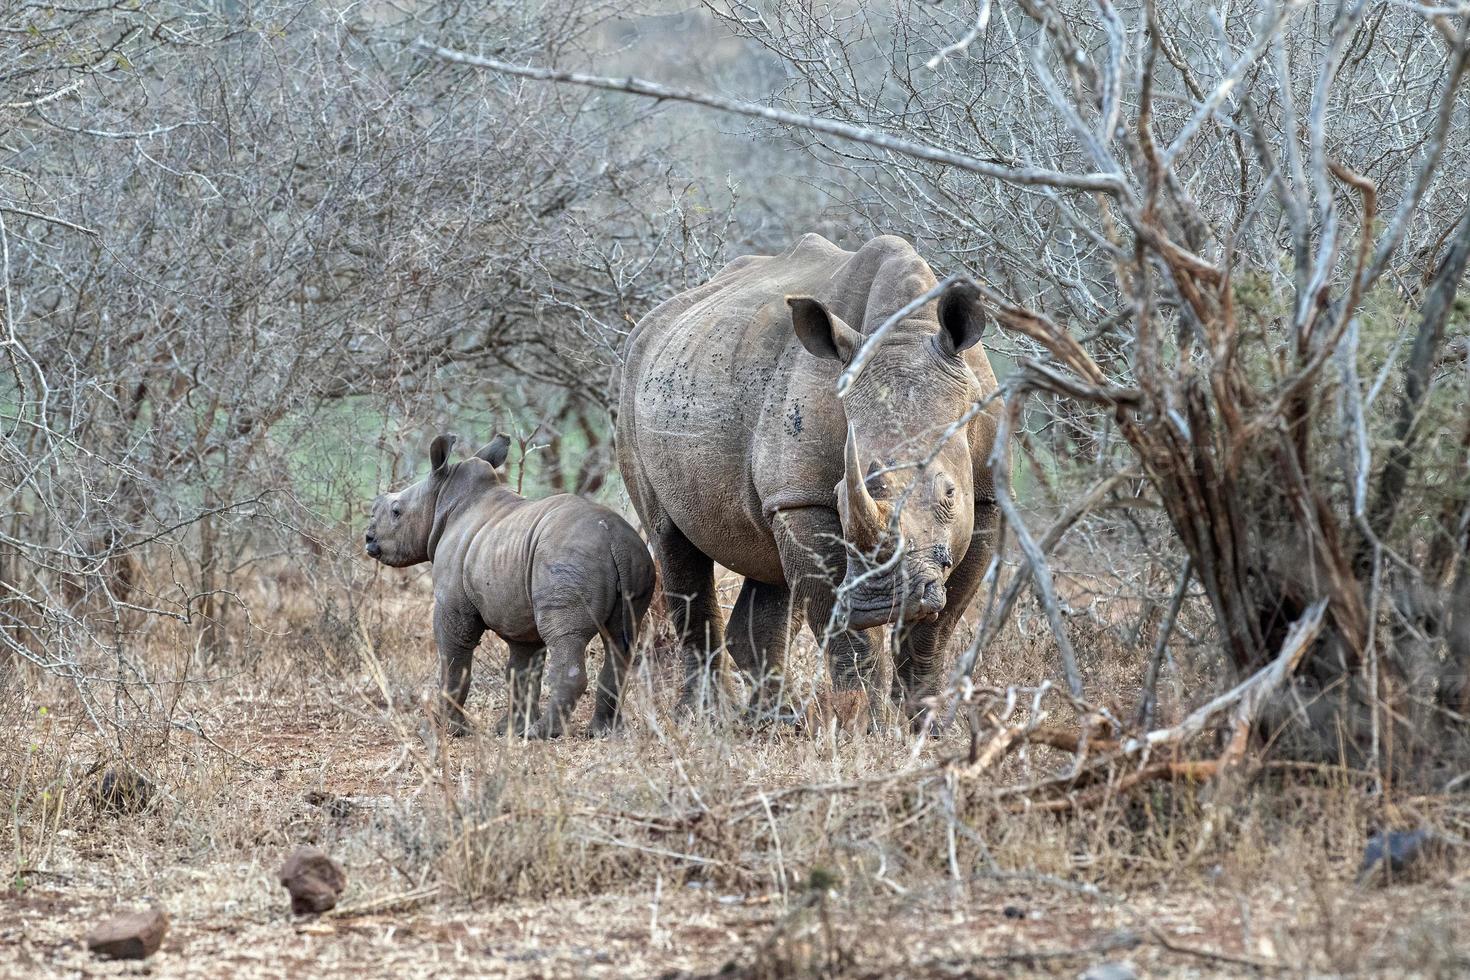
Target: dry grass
pixel 676 849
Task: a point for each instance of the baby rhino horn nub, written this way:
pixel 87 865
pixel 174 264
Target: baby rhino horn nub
pixel 860 516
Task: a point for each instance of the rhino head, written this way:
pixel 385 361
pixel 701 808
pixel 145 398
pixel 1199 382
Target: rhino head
pixel 405 525
pixel 907 494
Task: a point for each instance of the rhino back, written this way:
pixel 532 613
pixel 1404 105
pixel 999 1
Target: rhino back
pixel 704 375
pixel 529 566
pixel 586 562
pixel 725 417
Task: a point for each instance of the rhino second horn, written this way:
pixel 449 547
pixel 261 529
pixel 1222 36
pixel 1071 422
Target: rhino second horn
pixel 860 516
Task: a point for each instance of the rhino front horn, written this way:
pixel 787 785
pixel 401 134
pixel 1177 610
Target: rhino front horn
pixel 861 518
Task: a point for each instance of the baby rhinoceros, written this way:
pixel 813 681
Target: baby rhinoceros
pixel 544 575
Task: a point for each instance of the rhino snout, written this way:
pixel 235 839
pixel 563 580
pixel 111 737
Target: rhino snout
pixel 373 548
pixel 931 598
pixel 880 607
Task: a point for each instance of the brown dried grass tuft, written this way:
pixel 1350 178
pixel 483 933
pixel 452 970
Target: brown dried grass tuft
pixel 675 848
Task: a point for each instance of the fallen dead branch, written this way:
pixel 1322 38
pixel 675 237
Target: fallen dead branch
pixel 1100 777
pixel 1197 772
pixel 1104 765
pixel 403 900
pixel 1173 946
pixel 1109 944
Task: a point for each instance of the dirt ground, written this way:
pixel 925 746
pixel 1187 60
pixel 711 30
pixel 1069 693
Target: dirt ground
pixel 674 850
pixel 697 935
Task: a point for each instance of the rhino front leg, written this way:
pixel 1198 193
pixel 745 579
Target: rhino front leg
pixel 814 560
pixel 523 684
pixel 918 663
pixel 758 636
pixel 456 634
pixel 566 670
pixel 689 588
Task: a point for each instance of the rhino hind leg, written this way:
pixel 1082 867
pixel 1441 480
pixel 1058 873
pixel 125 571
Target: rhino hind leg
pixel 689 589
pixel 607 716
pixel 758 636
pixel 523 683
pixel 617 646
pixel 620 632
pixel 566 670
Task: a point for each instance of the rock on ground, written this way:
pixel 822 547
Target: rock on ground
pixel 130 936
pixel 1395 855
pixel 313 879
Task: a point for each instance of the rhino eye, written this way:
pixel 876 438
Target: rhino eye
pixel 397 510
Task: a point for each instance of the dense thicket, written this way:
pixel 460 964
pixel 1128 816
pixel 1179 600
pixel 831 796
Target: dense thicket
pixel 247 250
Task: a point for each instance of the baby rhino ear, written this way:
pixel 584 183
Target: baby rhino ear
pixel 439 452
pixel 496 450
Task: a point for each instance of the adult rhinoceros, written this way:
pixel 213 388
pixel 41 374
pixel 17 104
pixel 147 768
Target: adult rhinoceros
pixel 736 449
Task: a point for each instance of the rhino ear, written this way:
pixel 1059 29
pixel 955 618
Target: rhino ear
pixel 495 451
pixel 439 452
pixel 822 334
pixel 961 319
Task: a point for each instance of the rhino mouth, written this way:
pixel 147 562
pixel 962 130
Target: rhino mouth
pixel 870 609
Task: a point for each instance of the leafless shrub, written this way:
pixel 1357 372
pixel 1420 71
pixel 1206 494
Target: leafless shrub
pixel 247 248
pixel 1228 248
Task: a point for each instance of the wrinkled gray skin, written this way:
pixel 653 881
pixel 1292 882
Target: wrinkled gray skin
pixel 736 450
pixel 546 576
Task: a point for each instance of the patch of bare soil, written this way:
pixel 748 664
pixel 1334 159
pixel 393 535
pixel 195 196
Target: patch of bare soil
pixel 676 849
pixel 695 932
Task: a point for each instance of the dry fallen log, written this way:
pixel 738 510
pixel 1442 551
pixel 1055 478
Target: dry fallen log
pixel 1197 771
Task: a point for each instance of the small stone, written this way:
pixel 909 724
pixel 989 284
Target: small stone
pixel 313 879
pixel 1012 912
pixel 123 790
pixel 1116 970
pixel 130 936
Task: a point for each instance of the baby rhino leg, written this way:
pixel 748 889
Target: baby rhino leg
pixel 456 633
pixel 617 655
pixel 566 673
pixel 523 684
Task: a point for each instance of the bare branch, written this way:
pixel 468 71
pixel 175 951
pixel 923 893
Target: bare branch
pixel 1026 176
